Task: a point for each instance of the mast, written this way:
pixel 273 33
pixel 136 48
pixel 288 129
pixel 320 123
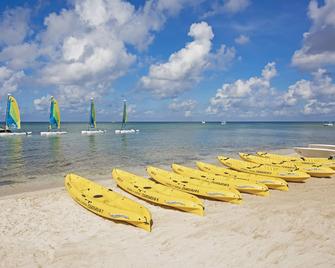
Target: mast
pixel 7 111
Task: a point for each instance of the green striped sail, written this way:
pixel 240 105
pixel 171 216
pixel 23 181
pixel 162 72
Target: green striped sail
pixel 54 114
pixel 13 119
pixel 92 120
pixel 125 115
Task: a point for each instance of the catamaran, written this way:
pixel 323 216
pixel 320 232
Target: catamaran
pixel 13 120
pixel 54 120
pixel 124 122
pixel 92 124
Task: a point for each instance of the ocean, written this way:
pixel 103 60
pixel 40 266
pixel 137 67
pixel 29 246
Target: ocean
pixel 33 158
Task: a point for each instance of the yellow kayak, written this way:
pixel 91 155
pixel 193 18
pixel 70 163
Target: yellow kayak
pixel 261 169
pixel 157 193
pixel 246 186
pixel 270 182
pixel 303 160
pixel 194 186
pixel 106 203
pixel 313 170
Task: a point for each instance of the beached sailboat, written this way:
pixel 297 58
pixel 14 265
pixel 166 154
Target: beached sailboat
pixel 54 120
pixel 13 119
pixel 124 122
pixel 92 123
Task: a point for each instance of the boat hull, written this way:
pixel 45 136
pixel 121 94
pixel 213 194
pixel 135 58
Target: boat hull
pixel 126 131
pixel 9 134
pixel 93 132
pixel 157 193
pixel 107 203
pixel 315 152
pixel 53 133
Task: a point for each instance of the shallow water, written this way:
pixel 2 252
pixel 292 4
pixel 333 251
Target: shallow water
pixel 24 159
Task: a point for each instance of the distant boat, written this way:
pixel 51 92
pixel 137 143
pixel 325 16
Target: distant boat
pixel 329 124
pixel 54 120
pixel 123 129
pixel 203 122
pixel 92 124
pixel 223 122
pixel 315 152
pixel 13 119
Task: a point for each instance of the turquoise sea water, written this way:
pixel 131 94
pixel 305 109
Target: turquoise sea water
pixel 24 159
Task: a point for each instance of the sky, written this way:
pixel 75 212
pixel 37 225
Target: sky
pixel 172 60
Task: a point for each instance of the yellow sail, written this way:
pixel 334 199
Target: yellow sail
pixel 13 113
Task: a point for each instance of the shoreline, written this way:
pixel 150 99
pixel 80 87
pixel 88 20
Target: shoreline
pixel 45 182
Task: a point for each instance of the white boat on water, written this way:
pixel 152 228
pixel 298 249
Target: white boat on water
pixel 54 120
pixel 92 124
pixel 329 124
pixel 223 122
pixel 123 130
pixel 203 122
pixel 315 152
pixel 12 120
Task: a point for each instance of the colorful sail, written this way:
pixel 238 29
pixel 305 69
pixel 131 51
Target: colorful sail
pixel 13 119
pixel 125 115
pixel 54 114
pixel 92 121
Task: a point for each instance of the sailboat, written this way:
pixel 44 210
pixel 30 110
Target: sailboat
pixel 13 119
pixel 92 124
pixel 124 122
pixel 54 120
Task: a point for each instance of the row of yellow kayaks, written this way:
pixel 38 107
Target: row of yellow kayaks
pixel 179 188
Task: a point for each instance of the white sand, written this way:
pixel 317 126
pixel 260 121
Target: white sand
pixel 46 228
pixel 288 229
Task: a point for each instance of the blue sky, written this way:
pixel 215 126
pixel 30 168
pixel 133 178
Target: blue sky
pixel 172 60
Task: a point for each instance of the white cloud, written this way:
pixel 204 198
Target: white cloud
pixel 249 93
pixel 318 49
pixel 317 96
pixel 255 97
pixel 19 56
pixel 234 6
pixel 222 58
pixel 14 26
pixel 315 107
pixel 242 39
pixel 9 80
pixel 227 7
pixel 43 103
pixel 184 67
pixel 185 106
pixel 83 48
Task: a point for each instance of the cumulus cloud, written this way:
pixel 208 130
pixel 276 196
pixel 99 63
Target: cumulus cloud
pixel 185 106
pixel 318 49
pixel 255 97
pixel 9 80
pixel 242 39
pixel 249 94
pixel 185 67
pixel 317 95
pixel 14 26
pixel 82 49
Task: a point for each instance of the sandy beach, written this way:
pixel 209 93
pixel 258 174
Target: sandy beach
pixel 46 228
